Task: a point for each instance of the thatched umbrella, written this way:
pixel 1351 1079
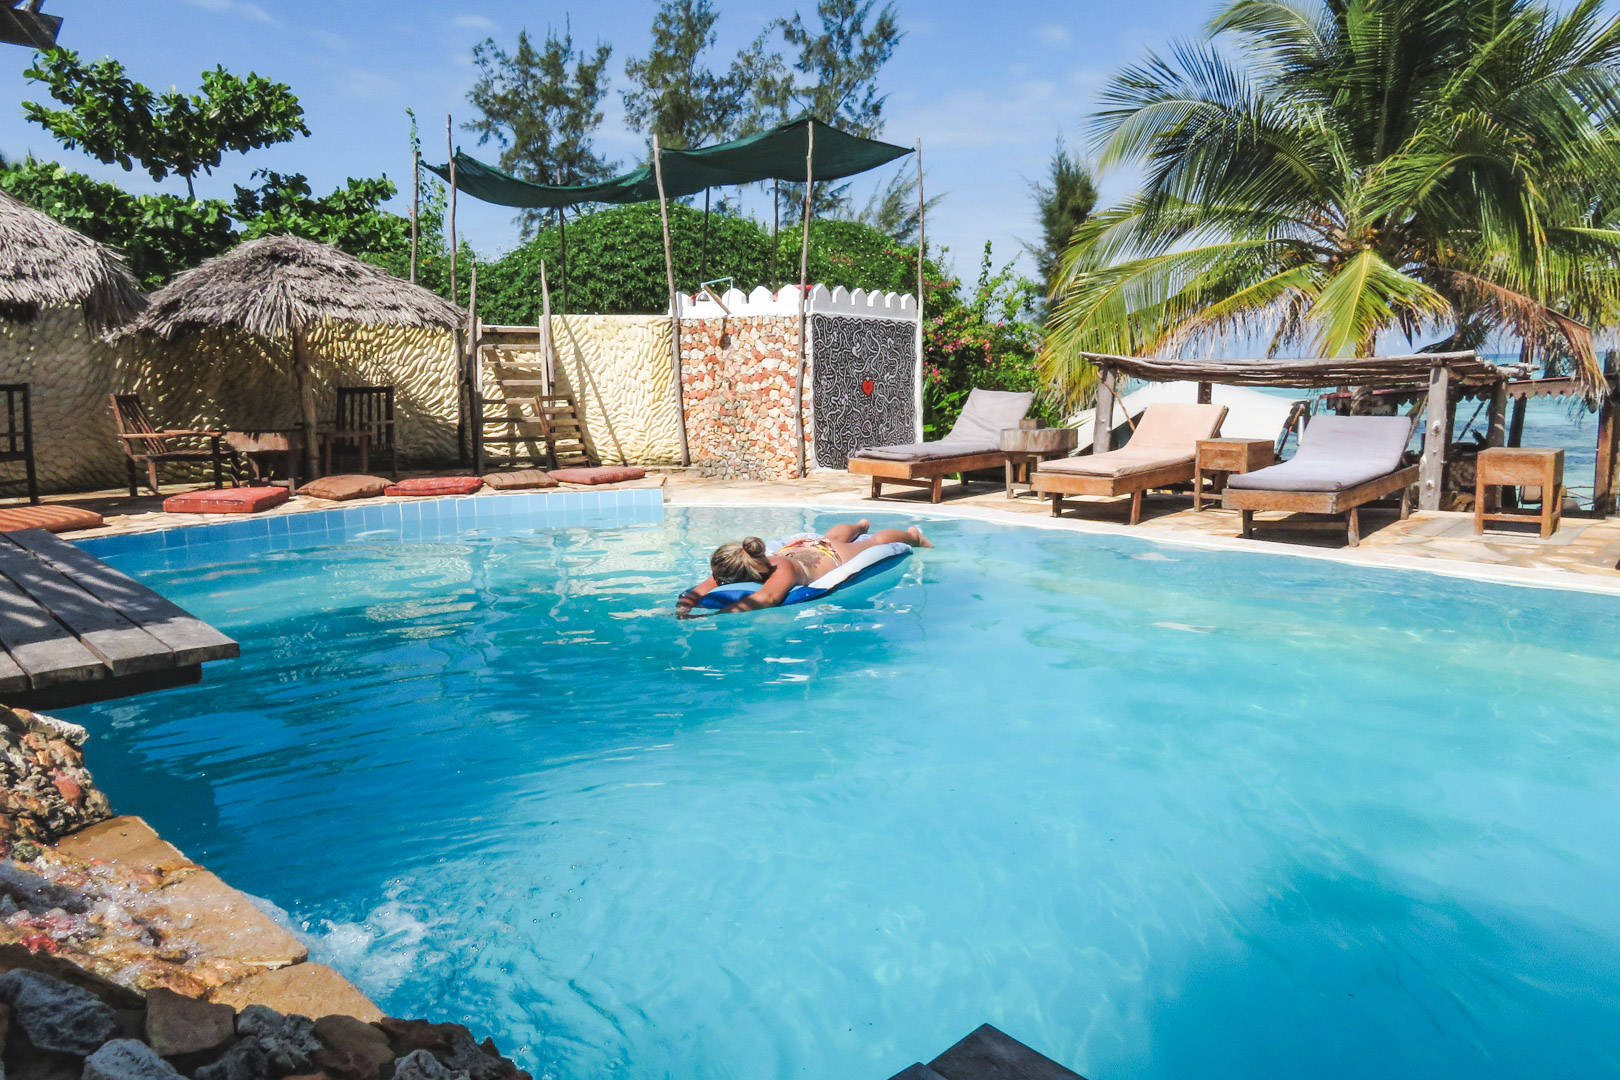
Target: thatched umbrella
pixel 280 286
pixel 43 263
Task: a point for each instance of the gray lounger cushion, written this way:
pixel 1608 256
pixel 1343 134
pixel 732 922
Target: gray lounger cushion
pixel 977 431
pixel 1335 453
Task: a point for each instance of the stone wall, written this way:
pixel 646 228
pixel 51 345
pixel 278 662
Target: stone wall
pixel 71 373
pixel 617 369
pixel 236 380
pixel 738 377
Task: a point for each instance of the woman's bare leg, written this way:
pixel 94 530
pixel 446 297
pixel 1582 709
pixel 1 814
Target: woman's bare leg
pixel 847 534
pixel 912 536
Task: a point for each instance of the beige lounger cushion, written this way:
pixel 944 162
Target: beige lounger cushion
pixel 1168 435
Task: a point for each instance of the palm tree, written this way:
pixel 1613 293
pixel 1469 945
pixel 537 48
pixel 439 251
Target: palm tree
pixel 1324 174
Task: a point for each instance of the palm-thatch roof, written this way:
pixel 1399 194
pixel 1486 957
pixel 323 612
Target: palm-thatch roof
pixel 43 263
pixel 276 285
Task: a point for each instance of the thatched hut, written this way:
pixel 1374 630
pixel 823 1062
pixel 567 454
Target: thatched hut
pixel 259 336
pixel 57 289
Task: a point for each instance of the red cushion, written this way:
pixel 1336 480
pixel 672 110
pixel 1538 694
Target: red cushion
pixel 436 485
pixel 604 474
pixel 247 500
pixel 52 516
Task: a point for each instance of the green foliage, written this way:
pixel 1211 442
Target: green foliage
pixel 1062 202
pixel 987 340
pixel 348 218
pixel 675 96
pixel 1362 167
pixel 840 60
pixel 117 120
pixel 158 234
pixel 543 108
pixel 616 263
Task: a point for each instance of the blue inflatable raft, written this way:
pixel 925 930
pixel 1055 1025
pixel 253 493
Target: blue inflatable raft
pixel 869 563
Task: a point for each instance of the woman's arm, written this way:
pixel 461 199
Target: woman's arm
pixel 770 594
pixel 689 599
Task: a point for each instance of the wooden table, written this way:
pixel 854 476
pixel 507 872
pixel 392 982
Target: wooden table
pixel 1516 466
pixel 1223 457
pixel 254 445
pixel 1022 447
pixel 73 630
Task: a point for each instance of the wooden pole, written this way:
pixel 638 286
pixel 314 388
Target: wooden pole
pixel 562 238
pixel 1206 393
pixel 922 252
pixel 703 256
pixel 674 308
pixel 776 229
pixel 416 200
pixel 804 283
pixel 1608 446
pixel 475 374
pixel 1496 424
pixel 549 353
pixel 305 380
pixel 1102 424
pixel 449 142
pixel 1432 469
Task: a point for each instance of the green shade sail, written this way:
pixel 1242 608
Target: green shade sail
pixel 777 154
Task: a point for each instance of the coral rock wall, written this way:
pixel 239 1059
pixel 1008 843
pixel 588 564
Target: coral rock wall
pixel 45 792
pixel 240 381
pixel 71 373
pixel 738 376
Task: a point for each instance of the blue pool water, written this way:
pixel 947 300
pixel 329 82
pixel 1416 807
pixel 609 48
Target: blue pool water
pixel 1158 812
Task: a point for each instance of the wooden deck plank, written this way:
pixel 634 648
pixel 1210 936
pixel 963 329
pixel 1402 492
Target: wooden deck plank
pixel 42 647
pixel 123 646
pixel 13 679
pixel 191 640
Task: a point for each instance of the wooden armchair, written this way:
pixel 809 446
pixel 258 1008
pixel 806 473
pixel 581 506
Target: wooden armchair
pixel 17 437
pixel 145 444
pixel 365 422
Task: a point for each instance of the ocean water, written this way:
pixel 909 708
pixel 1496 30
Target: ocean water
pixel 1157 812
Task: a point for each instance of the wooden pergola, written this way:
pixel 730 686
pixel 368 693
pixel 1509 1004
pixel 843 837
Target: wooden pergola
pixel 1448 376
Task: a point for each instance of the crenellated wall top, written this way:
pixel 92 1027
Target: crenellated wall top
pixel 820 301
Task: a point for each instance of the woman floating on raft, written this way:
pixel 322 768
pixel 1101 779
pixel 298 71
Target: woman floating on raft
pixel 797 562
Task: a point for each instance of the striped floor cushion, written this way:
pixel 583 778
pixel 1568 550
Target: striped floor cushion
pixel 54 517
pixel 519 480
pixel 242 500
pixel 436 485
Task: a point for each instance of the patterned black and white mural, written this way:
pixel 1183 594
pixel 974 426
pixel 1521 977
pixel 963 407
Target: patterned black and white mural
pixel 865 384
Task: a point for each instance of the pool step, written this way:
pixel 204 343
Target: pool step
pixel 988 1054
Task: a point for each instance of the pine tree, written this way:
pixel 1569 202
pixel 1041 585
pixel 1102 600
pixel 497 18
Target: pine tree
pixel 675 96
pixel 1062 204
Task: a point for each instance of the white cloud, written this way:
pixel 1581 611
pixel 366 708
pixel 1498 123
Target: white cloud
pixel 1054 35
pixel 236 7
pixel 475 22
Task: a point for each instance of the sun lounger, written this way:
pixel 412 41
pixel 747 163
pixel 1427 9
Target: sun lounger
pixel 1342 463
pixel 1162 451
pixel 974 443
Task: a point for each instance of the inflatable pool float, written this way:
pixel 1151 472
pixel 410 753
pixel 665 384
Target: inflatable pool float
pixel 868 563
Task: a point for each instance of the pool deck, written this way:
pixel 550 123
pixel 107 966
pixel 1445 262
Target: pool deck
pixel 1583 554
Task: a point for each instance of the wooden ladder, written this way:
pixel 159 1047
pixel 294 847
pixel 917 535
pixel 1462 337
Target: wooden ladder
pixel 544 428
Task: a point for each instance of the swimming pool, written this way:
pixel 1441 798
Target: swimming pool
pixel 1158 812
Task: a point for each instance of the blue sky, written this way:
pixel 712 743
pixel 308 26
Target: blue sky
pixel 987 87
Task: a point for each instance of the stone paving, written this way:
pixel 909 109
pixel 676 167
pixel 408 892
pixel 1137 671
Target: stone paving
pixel 1583 554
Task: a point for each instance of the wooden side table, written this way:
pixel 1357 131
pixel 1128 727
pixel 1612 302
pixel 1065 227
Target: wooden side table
pixel 1023 447
pixel 1515 466
pixel 1223 457
pixel 256 445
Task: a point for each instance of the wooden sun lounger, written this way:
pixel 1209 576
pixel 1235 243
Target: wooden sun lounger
pixel 924 473
pixel 1346 502
pixel 1060 485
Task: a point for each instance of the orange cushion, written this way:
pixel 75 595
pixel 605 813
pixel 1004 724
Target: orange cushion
pixel 344 486
pixel 247 500
pixel 519 480
pixel 604 474
pixel 52 516
pixel 436 485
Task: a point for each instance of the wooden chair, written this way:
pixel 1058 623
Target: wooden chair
pixel 364 423
pixel 145 444
pixel 17 437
